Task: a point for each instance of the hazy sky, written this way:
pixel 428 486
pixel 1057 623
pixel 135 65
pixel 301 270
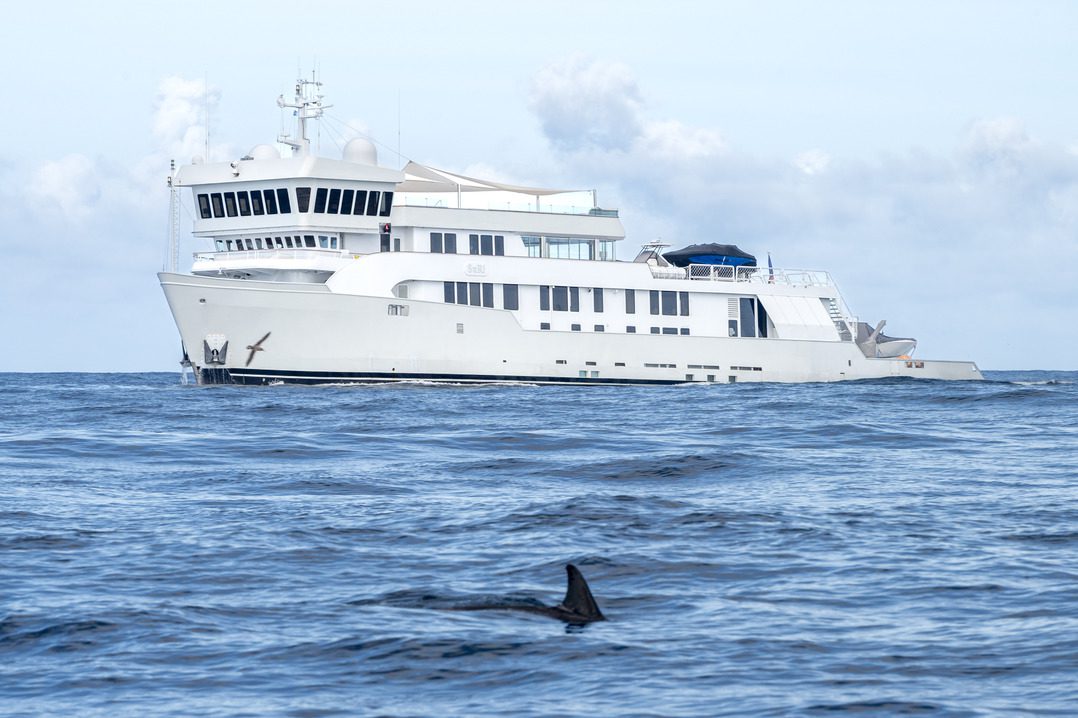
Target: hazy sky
pixel 926 153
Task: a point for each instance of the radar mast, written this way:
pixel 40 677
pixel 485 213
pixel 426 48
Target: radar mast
pixel 308 106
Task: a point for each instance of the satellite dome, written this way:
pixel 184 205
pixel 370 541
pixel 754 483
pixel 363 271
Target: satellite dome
pixel 264 152
pixel 361 151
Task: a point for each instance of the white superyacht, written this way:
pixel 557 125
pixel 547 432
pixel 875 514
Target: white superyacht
pixel 342 271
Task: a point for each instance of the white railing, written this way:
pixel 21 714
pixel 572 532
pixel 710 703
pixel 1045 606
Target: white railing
pixel 759 275
pixel 250 254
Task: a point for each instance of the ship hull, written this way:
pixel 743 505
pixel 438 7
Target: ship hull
pixel 250 332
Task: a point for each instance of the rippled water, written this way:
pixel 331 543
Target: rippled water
pixel 886 547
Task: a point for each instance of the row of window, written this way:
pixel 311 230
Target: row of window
pixel 276 201
pixel 345 201
pixel 567 247
pixel 287 242
pixel 682 331
pixel 480 294
pixel 244 204
pixel 567 299
pixel 483 244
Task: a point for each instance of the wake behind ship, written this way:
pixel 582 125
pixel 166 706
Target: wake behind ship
pixel 328 271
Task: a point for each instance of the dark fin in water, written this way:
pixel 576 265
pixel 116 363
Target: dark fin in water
pixel 578 599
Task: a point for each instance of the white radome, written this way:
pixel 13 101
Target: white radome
pixel 361 151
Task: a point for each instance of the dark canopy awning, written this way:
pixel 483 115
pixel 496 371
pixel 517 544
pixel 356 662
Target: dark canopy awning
pixel 726 254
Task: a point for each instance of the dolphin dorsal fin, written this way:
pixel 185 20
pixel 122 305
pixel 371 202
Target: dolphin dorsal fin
pixel 578 598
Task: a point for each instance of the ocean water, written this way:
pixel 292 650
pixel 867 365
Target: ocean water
pixel 869 548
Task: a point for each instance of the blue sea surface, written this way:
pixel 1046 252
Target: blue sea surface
pixel 890 547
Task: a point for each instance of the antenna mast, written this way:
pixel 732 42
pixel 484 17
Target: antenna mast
pixel 173 221
pixel 308 106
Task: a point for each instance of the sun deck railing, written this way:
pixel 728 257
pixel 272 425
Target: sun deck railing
pixel 759 275
pixel 249 254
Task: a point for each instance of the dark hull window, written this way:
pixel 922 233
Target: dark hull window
pixel 450 243
pixel 447 288
pixel 320 196
pixel 473 244
pixel 748 317
pixel 473 293
pixel 283 202
pixel 510 296
pixel 488 295
pixel 230 204
pixel 683 300
pixel 387 204
pixel 486 244
pixel 372 203
pixel 204 206
pixel 600 328
pixel 561 299
pixel 436 242
pixel 218 204
pixel 360 206
pixel 256 203
pixel 271 201
pixel 761 320
pixel 303 199
pixel 654 296
pixel 630 301
pixel 669 330
pixel 597 297
pixel 499 245
pixel 347 198
pixel 334 205
pixel 462 292
pixel 544 298
pixel 630 330
pixel 244 203
pixel 669 303
pixel 574 299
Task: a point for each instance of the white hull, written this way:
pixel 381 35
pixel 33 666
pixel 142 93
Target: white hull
pixel 318 336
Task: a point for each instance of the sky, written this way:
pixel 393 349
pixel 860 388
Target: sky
pixel 925 153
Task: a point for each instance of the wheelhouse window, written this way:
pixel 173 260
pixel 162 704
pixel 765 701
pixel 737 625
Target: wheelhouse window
pixel 256 202
pixel 244 202
pixel 372 203
pixel 282 200
pixel 334 205
pixel 218 204
pixel 230 204
pixel 303 199
pixel 387 204
pixel 271 201
pixel 204 206
pixel 320 196
pixel 360 207
pixel 347 198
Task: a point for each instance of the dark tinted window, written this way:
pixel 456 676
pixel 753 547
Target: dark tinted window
pixel 320 196
pixel 597 298
pixel 748 317
pixel 334 205
pixel 462 292
pixel 683 301
pixel 654 296
pixel 473 293
pixel 486 244
pixel 303 199
pixel 256 202
pixel 387 203
pixel 282 200
pixel 383 244
pixel 347 198
pixel 669 330
pixel 244 203
pixel 436 242
pixel 575 327
pixel 308 239
pixel 510 296
pixel 488 294
pixel 204 206
pixel 670 303
pixel 561 299
pixel 630 330
pixel 684 331
pixel 630 301
pixel 271 201
pixel 654 330
pixel 499 245
pixel 372 203
pixel 218 204
pixel 450 243
pixel 574 299
pixel 544 298
pixel 600 328
pixel 473 244
pixel 761 319
pixel 360 207
pixel 544 325
pixel 230 204
pixel 447 287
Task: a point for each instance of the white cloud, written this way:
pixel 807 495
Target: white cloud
pixel 183 110
pixel 812 162
pixel 69 185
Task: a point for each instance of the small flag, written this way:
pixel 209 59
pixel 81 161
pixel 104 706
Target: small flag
pixel 770 270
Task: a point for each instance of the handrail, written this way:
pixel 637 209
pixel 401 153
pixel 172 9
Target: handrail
pixel 303 253
pixel 759 275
